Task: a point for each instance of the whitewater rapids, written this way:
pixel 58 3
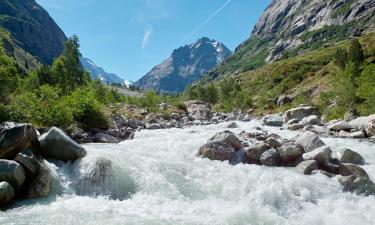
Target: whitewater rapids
pixel 156 179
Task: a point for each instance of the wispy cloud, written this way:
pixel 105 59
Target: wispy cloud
pixel 146 36
pixel 208 20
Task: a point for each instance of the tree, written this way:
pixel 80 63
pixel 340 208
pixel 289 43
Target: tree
pixel 341 58
pixel 356 54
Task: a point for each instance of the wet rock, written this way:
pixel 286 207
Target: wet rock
pixel 357 184
pixel 295 126
pixel 105 138
pixel 15 139
pixel 29 162
pixel 273 142
pixel 270 158
pixel 40 186
pixel 273 120
pixel 291 154
pixel 232 125
pixel 348 169
pixel 370 129
pixel 349 156
pixel 217 150
pixel 340 125
pixel 321 130
pixel 6 193
pixel 299 113
pixel 310 141
pixel 55 144
pixel 321 155
pixel 134 123
pixel 198 110
pixel 311 120
pixel 255 151
pixel 307 167
pixel 12 172
pixel 228 138
pixel 153 126
pixel 239 157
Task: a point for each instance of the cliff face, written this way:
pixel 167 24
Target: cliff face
pixel 184 66
pixel 32 29
pixel 289 27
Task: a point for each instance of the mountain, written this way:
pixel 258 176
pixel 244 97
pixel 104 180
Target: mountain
pixel 291 27
pixel 99 73
pixel 185 65
pixel 32 29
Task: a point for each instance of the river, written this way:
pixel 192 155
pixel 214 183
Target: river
pixel 156 179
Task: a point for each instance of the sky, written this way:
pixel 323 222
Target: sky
pixel 130 37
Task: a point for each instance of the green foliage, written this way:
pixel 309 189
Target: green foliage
pixel 8 75
pixel 366 90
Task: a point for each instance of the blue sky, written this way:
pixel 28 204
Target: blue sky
pixel 129 37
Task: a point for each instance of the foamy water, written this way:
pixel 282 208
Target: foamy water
pixel 156 179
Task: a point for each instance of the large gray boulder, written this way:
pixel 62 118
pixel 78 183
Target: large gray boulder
pixel 310 141
pixel 55 144
pixel 348 169
pixel 291 154
pixel 361 123
pixel 356 134
pixel 12 172
pixel 300 113
pixel 216 150
pixel 273 120
pixel 15 139
pixel 370 128
pixel 321 130
pixel 199 110
pixel 321 155
pixel 6 193
pixel 349 156
pixel 227 137
pixel 307 167
pixel 311 120
pixel 340 125
pixel 29 162
pixel 270 158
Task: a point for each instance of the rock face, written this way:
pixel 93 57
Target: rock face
pixel 198 110
pixel 299 113
pixel 31 25
pixel 6 193
pixel 99 73
pixel 12 172
pixel 287 25
pixel 184 66
pixel 55 144
pixel 15 139
pixel 309 141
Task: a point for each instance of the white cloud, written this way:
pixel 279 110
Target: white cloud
pixel 146 36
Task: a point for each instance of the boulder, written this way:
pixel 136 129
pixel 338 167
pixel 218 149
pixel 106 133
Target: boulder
pixel 283 99
pixel 321 130
pixel 15 139
pixel 29 162
pixel 370 128
pixel 198 110
pixel 273 142
pixel 349 156
pixel 55 144
pixel 361 123
pixel 291 154
pixel 40 186
pixel 310 141
pixel 273 120
pixel 307 167
pixel 311 120
pixel 339 125
pixel 358 185
pixel 321 155
pixel 216 150
pixel 12 172
pixel 255 151
pixel 105 138
pixel 134 123
pixel 153 126
pixel 231 125
pixel 299 113
pixel 357 134
pixel 6 193
pixel 292 121
pixel 270 158
pixel 348 169
pixel 228 138
pixel 295 126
